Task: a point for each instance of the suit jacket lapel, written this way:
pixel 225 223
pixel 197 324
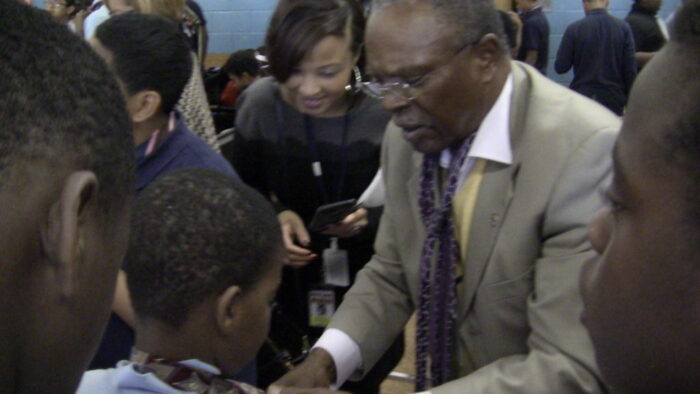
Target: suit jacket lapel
pixel 412 187
pixel 495 194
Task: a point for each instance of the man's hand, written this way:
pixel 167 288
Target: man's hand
pixel 317 371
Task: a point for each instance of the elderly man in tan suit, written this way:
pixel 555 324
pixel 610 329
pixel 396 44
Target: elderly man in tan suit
pixel 492 172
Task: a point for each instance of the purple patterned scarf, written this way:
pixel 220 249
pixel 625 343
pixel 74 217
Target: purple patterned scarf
pixel 436 311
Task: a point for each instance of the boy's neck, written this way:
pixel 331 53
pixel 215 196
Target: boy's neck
pixel 144 130
pixel 172 344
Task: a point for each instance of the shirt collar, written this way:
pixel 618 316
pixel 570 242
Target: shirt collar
pixel 201 365
pixel 492 140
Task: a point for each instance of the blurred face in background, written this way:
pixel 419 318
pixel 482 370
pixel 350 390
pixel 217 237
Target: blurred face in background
pixel 61 10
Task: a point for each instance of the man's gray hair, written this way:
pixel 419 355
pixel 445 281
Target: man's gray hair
pixel 471 19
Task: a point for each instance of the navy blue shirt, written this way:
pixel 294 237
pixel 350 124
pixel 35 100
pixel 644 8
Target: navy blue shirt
pixel 648 36
pixel 601 50
pixel 180 149
pixel 535 37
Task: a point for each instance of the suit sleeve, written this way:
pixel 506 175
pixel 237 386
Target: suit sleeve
pixel 560 357
pixel 565 54
pixel 378 305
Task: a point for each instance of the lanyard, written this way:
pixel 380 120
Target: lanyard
pixel 317 167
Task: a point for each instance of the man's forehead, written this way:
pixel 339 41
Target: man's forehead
pixel 405 34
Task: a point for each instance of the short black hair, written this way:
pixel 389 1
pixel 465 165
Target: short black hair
pixel 242 61
pixel 149 53
pixel 683 137
pixel 196 232
pixel 469 19
pixel 60 104
pixel 298 25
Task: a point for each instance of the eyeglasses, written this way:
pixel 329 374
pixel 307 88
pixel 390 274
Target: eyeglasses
pixel 405 90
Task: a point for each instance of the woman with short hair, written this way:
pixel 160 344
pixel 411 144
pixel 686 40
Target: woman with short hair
pixel 307 137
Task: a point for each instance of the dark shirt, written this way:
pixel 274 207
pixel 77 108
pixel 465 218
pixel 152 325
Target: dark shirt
pixel 535 37
pixel 600 47
pixel 645 28
pixel 180 149
pixel 273 153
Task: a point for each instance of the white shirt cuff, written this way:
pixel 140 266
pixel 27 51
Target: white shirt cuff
pixel 345 354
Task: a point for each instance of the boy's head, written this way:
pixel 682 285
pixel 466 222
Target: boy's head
pixel 203 266
pixel 242 68
pixel 66 184
pixel 151 59
pixel 642 298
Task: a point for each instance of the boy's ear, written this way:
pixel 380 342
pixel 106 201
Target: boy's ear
pixel 143 105
pixel 227 309
pixel 62 235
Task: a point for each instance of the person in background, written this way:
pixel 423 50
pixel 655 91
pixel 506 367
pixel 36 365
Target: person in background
pixel 534 47
pixel 641 293
pixel 203 265
pixel 513 28
pixel 242 69
pixel 66 186
pixel 307 137
pixel 195 26
pixel 600 48
pixel 193 104
pixel 99 13
pixel 648 29
pixel 69 12
pixel 152 62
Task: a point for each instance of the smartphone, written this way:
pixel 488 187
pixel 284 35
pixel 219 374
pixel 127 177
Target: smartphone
pixel 332 213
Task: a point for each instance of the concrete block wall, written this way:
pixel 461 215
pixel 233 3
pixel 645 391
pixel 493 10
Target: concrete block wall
pixel 241 24
pixel 236 24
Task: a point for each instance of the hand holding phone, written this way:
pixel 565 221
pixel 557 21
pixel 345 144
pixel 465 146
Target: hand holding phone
pixel 329 214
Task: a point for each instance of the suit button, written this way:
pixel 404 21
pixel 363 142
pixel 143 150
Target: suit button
pixel 495 219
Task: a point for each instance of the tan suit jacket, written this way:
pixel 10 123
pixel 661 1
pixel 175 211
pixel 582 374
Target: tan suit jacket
pixel 519 306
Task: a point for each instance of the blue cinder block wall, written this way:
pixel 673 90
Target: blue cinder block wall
pixel 563 12
pixel 241 24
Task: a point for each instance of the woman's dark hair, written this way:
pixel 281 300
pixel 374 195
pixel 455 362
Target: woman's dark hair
pixel 298 25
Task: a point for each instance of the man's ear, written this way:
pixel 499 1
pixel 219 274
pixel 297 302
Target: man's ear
pixel 227 309
pixel 143 105
pixel 488 52
pixel 63 233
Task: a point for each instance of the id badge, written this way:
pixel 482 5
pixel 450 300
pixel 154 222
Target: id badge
pixel 335 265
pixel 321 307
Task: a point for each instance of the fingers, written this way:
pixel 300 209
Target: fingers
pixel 357 218
pixel 274 389
pixel 352 225
pixel 296 255
pixel 300 232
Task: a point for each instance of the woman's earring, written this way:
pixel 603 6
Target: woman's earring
pixel 358 80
